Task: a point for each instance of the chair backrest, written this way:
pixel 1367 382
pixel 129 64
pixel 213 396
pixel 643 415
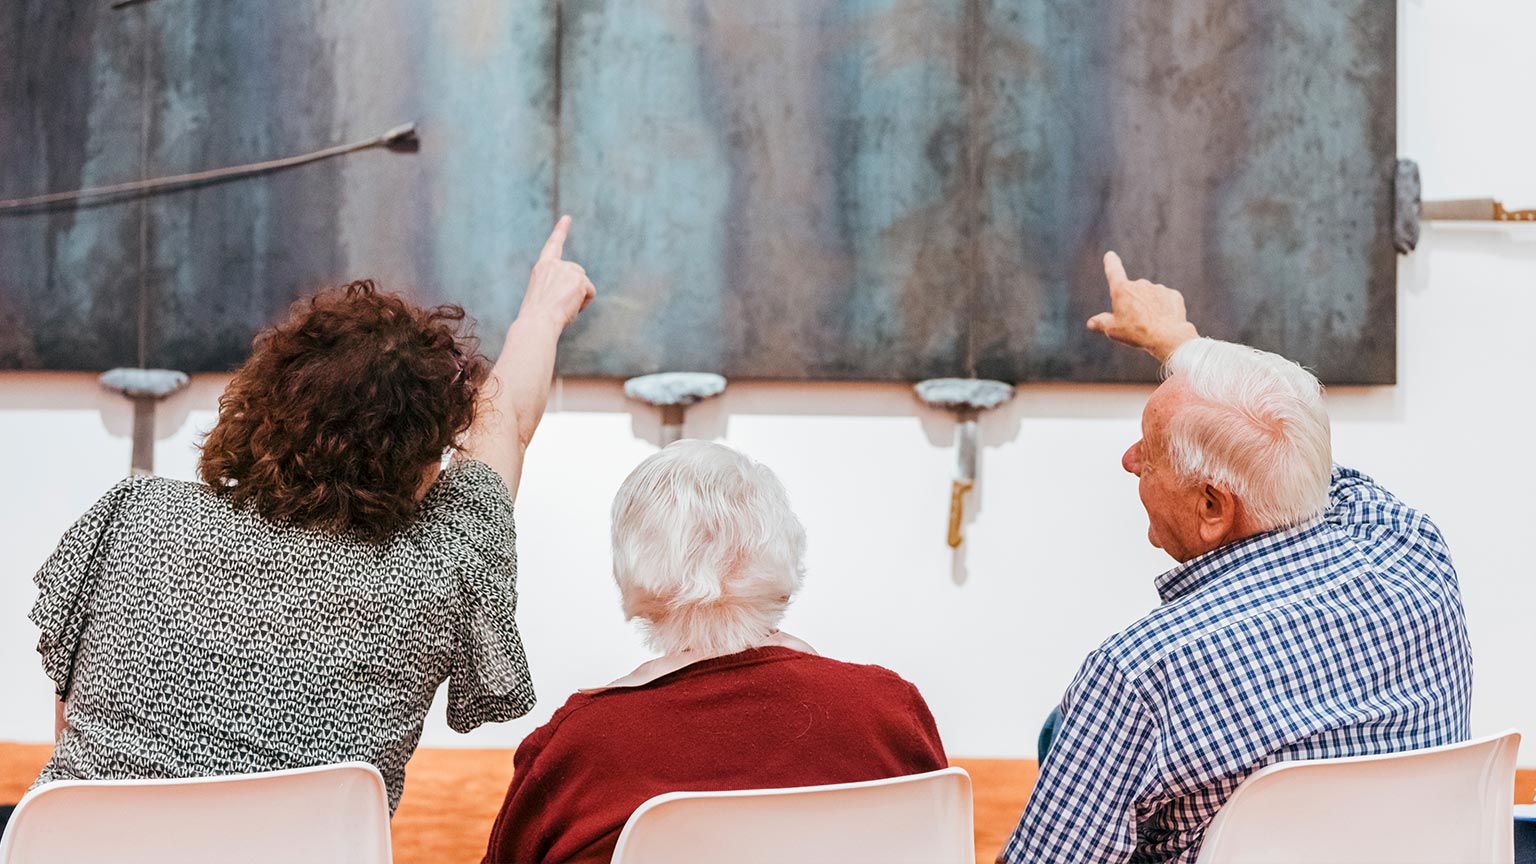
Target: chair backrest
pixel 924 818
pixel 335 814
pixel 1450 803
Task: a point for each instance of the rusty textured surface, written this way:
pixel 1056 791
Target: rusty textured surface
pixel 69 117
pixel 1240 151
pixel 822 189
pixel 776 186
pixel 230 82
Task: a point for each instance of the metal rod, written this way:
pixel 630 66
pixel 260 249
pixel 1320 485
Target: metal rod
pixel 144 122
pixel 1474 210
pixel 557 111
pixel 671 423
pixel 399 138
pixel 143 461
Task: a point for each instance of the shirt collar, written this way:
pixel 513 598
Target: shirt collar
pixel 1203 569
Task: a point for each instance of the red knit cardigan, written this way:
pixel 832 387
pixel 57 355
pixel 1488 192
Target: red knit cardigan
pixel 764 718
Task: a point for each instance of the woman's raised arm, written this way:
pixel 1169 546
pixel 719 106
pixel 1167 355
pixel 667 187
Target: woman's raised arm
pixel 518 387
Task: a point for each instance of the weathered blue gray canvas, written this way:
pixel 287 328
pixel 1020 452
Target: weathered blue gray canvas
pixel 1242 151
pixel 95 95
pixel 816 189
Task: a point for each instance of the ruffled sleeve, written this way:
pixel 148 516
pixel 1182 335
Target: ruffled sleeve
pixel 470 513
pixel 68 579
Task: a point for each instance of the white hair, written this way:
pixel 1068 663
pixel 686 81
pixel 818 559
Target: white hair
pixel 706 550
pixel 1256 428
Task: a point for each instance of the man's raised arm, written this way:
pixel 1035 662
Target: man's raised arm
pixel 1152 317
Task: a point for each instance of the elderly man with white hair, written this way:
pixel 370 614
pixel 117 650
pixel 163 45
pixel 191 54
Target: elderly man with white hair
pixel 707 555
pixel 1311 615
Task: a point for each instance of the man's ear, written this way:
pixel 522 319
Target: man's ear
pixel 1217 517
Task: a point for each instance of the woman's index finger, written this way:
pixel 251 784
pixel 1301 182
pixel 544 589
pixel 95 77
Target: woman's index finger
pixel 554 247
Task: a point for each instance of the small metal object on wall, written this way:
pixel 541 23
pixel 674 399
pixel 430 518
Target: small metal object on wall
pixel 967 398
pixel 673 393
pixel 1477 210
pixel 1405 227
pixel 1412 210
pixel 145 388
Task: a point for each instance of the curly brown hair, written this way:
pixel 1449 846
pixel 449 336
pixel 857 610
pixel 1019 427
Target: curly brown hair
pixel 340 410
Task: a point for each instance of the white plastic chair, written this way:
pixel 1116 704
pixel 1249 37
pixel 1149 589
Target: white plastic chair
pixel 922 818
pixel 328 814
pixel 1444 804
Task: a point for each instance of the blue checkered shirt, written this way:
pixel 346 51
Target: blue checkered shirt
pixel 1344 636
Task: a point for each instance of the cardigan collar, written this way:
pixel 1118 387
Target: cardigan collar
pixel 666 664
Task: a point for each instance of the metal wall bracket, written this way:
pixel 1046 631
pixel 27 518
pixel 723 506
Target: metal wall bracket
pixel 1411 211
pixel 1405 225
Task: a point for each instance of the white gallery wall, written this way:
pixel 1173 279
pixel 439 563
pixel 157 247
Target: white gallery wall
pixel 1055 557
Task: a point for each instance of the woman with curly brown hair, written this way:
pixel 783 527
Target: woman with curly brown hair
pixel 304 606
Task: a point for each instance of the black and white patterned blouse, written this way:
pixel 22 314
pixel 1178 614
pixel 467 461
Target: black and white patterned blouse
pixel 189 638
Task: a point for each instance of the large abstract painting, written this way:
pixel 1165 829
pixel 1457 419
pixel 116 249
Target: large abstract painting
pixel 807 189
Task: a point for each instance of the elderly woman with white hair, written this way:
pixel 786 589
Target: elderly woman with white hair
pixel 707 555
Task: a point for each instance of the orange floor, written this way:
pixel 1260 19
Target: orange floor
pixel 451 798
